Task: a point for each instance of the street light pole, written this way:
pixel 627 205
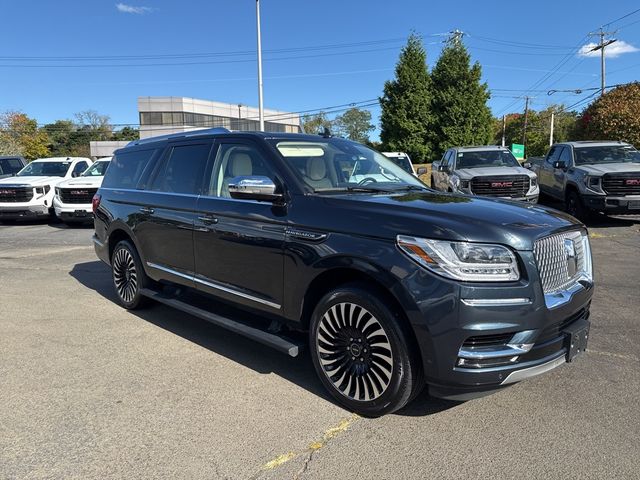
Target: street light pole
pixel 601 47
pixel 260 102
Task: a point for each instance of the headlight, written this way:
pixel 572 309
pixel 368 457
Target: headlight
pixel 455 181
pixel 43 190
pixel 594 183
pixel 57 192
pixel 533 182
pixel 471 262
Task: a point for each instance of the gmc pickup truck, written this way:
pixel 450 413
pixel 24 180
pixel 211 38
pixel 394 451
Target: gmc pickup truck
pixel 489 171
pixel 591 177
pixel 11 165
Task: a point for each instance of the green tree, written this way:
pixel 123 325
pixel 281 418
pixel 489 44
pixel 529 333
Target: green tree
pixel 354 124
pixel 459 100
pixel 60 133
pixel 126 133
pixel 406 119
pixel 316 123
pixel 613 116
pixel 538 129
pixel 19 135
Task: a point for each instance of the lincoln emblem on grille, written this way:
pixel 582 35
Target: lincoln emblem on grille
pixel 572 259
pixel 633 181
pixel 501 184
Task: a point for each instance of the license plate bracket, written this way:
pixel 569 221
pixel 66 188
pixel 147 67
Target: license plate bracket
pixel 576 337
pixel 80 213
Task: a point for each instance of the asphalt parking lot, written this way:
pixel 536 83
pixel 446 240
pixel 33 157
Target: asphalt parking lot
pixel 89 390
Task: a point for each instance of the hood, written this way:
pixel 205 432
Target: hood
pixel 468 173
pixel 609 168
pixel 445 216
pixel 31 181
pixel 92 182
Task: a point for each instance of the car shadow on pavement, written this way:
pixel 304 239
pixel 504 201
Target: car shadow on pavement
pixel 598 220
pixel 96 276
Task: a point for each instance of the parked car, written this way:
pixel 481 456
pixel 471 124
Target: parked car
pixel 10 165
pixel 489 170
pixel 402 160
pixel 393 284
pixel 72 201
pixel 591 177
pixel 30 193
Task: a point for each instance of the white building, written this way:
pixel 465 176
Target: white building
pixel 164 115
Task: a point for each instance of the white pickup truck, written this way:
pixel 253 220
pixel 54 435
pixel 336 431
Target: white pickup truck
pixel 29 194
pixel 73 199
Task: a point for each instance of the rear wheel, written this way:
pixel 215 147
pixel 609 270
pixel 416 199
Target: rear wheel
pixel 129 277
pixel 361 353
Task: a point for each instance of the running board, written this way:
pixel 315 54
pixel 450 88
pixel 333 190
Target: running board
pixel 266 338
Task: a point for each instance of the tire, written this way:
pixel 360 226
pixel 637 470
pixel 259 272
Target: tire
pixel 128 275
pixel 371 379
pixel 575 207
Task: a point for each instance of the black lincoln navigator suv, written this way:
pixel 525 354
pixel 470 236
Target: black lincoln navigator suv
pixel 274 235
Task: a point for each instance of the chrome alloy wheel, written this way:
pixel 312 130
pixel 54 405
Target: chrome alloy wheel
pixel 354 352
pixel 125 276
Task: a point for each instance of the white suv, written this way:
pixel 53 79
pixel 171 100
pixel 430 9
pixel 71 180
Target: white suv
pixel 30 193
pixel 72 200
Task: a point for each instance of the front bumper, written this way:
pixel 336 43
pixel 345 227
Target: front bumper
pixel 511 323
pixel 73 212
pixel 17 211
pixel 629 204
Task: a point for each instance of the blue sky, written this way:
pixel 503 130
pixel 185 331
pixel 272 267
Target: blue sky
pixel 517 43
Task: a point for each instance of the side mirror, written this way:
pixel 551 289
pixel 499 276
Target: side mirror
pixel 443 168
pixel 254 187
pixel 75 174
pixel 421 170
pixel 559 165
pixel 526 164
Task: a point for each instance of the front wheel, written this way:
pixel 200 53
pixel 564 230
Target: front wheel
pixel 129 278
pixel 575 207
pixel 361 353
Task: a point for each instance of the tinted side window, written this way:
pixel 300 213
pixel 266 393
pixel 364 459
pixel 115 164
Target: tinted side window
pixel 565 156
pixel 183 170
pixel 553 155
pixel 79 168
pixel 126 168
pixel 236 160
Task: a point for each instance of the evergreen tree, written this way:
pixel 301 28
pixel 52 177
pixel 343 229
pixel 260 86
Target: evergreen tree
pixel 406 117
pixel 459 100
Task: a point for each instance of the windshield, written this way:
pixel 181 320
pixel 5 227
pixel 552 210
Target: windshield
pixel 45 169
pixel 403 162
pixel 96 170
pixel 487 158
pixel 607 154
pixel 340 165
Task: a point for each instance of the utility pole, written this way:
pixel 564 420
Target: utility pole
pixel 601 47
pixel 260 102
pixel 526 120
pixel 551 129
pixel 504 126
pixel 456 36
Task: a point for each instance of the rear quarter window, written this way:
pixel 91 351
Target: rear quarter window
pixel 126 168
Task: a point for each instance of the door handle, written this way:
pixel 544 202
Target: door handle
pixel 208 220
pixel 147 210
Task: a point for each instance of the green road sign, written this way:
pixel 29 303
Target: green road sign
pixel 517 150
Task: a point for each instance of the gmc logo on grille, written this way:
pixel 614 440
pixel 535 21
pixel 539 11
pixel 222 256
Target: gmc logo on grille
pixel 7 192
pixel 79 192
pixel 633 181
pixel 501 184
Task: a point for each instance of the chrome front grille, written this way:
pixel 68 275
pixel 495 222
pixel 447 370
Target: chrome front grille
pixel 561 260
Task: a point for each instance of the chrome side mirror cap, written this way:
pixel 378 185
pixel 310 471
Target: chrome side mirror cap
pixel 254 187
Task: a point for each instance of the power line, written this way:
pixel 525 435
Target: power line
pixel 622 17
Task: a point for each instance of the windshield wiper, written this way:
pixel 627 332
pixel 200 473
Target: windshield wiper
pixel 405 188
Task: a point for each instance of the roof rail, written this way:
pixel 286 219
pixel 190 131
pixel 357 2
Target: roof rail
pixel 170 136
